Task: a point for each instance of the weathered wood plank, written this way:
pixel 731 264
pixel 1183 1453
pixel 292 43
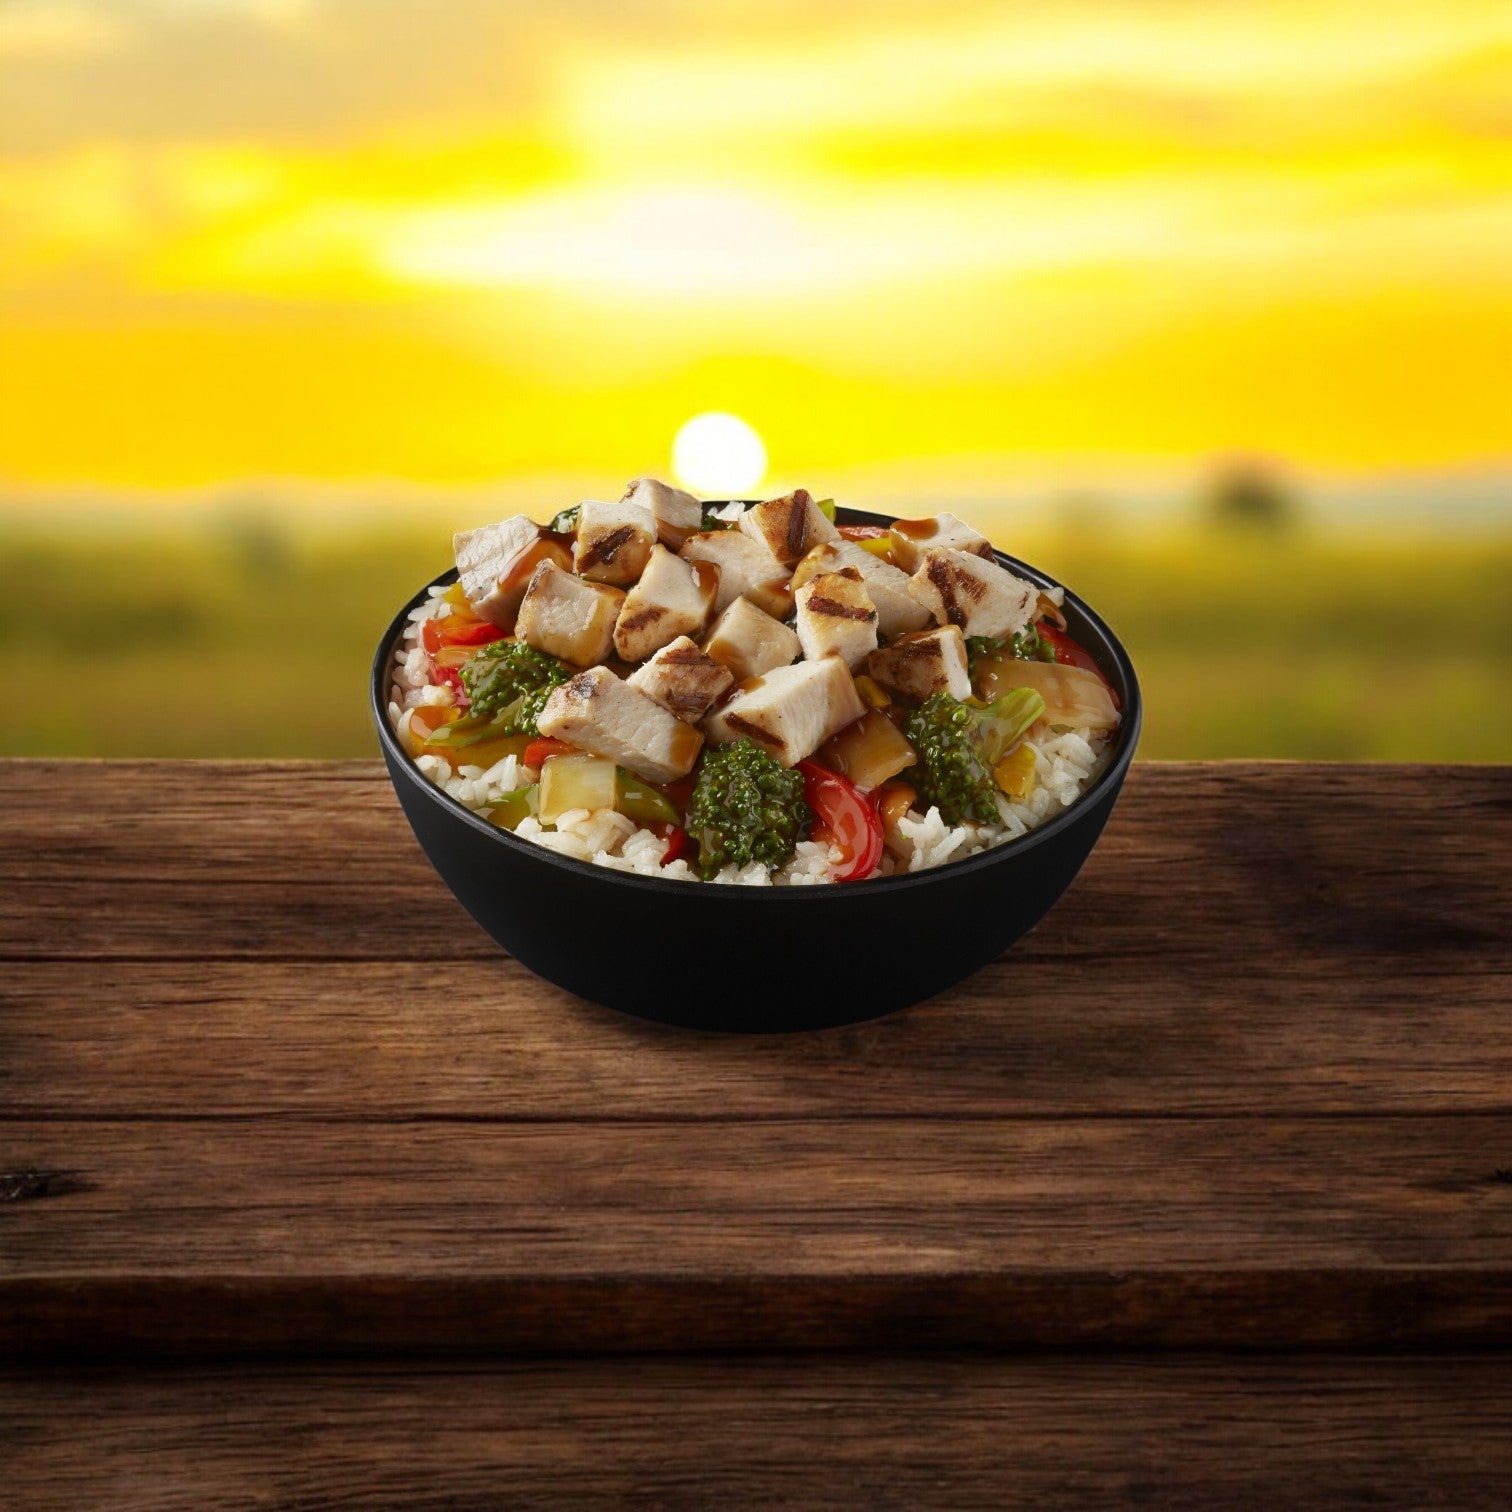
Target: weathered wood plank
pixel 280 1234
pixel 1245 1435
pixel 1248 936
pixel 1203 867
pixel 488 1040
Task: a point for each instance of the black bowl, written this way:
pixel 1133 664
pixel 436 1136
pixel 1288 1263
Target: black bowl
pixel 759 959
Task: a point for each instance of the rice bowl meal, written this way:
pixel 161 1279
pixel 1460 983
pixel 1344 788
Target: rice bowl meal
pixel 748 694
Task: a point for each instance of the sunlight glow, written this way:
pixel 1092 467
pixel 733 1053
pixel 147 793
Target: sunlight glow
pixel 718 456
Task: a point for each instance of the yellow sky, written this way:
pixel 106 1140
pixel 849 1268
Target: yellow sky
pixel 455 240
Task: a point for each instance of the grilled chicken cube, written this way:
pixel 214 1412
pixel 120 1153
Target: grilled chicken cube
pixel 835 615
pixel 925 662
pixel 599 713
pixel 790 712
pixel 567 617
pixel 750 642
pixel 910 539
pixel 789 527
pixel 677 514
pixel 746 568
pixel 494 563
pixel 683 680
pixel 672 598
pixel 981 597
pixel 614 541
pixel 886 585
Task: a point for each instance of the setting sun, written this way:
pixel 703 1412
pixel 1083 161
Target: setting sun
pixel 719 456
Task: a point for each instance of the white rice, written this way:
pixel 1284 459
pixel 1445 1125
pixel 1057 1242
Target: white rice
pixel 1065 761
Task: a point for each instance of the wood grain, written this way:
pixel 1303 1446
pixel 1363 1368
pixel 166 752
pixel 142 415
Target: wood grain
pixel 1257 937
pixel 1202 866
pixel 1242 1435
pixel 278 1234
pixel 264 1088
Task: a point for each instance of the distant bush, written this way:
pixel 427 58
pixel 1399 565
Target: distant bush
pixel 1249 497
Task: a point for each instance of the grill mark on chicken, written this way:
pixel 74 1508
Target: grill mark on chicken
pixel 638 619
pixel 797 523
pixel 818 604
pixel 604 548
pixel 760 733
pixel 914 650
pixel 952 586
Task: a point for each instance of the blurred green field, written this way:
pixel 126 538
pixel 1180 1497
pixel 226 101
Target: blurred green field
pixel 241 637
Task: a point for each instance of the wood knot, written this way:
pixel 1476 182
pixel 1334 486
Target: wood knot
pixel 27 1185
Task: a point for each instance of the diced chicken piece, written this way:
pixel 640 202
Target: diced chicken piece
pixel 568 617
pixel 683 680
pixel 672 598
pixel 886 585
pixel 910 539
pixel 835 615
pixel 599 713
pixel 494 563
pixel 746 568
pixel 788 527
pixel 614 541
pixel 677 514
pixel 749 641
pixel 981 597
pixel 790 712
pixel 928 661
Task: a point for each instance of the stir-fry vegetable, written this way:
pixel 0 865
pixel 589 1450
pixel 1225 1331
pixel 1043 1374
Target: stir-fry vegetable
pixel 1027 645
pixel 1071 653
pixel 894 799
pixel 645 804
pixel 713 521
pixel 1014 774
pixel 746 806
pixel 847 819
pixel 457 630
pixel 509 810
pixel 1073 696
pixel 958 746
pixel 578 781
pixel 538 752
pixel 868 751
pixel 512 680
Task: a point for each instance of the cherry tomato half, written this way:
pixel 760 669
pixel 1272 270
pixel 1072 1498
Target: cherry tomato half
pixel 847 818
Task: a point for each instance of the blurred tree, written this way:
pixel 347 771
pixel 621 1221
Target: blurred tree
pixel 1249 496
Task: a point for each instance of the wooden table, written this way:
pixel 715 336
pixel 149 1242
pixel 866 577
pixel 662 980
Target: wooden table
pixel 1201 1196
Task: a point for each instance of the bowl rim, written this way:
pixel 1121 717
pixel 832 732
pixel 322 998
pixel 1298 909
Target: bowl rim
pixel 1110 778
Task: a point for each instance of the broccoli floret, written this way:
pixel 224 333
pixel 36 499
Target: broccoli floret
pixel 746 806
pixel 1027 645
pixel 949 775
pixel 958 744
pixel 565 521
pixel 513 681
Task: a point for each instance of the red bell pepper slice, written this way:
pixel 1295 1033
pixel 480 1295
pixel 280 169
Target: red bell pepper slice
pixel 676 838
pixel 546 747
pixel 458 630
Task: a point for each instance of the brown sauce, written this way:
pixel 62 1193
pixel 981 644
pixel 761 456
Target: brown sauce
pixel 916 530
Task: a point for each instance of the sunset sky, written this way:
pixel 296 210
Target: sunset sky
pixel 450 241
